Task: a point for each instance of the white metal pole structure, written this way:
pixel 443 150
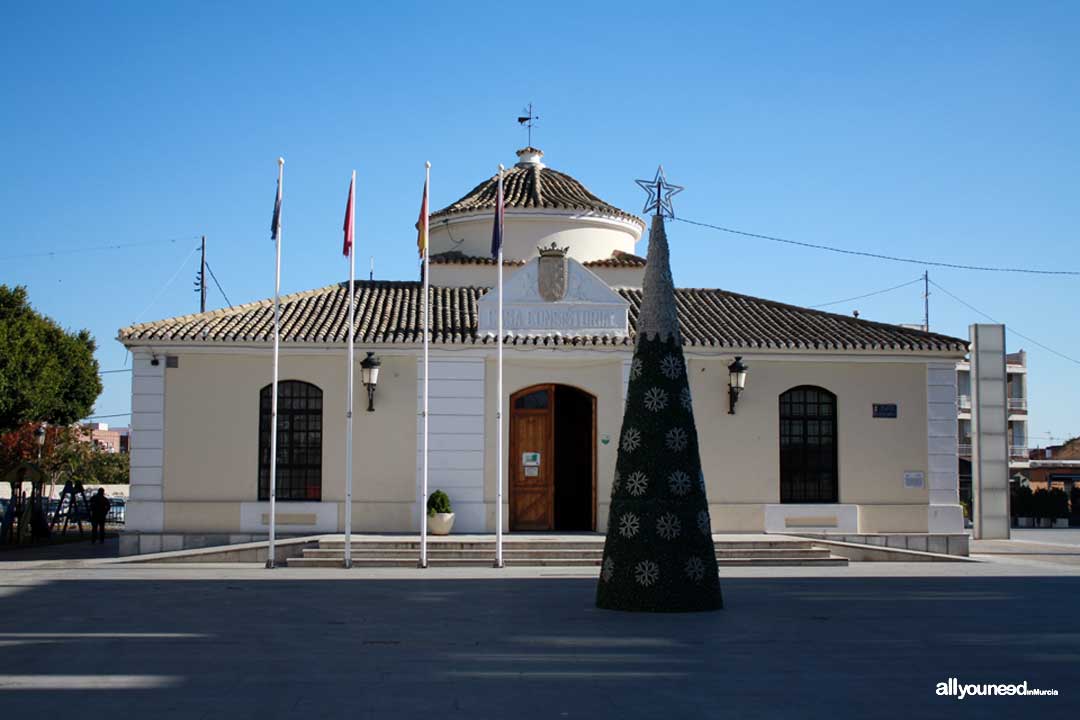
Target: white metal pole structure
pixel 276 227
pixel 499 382
pixel 350 236
pixel 427 332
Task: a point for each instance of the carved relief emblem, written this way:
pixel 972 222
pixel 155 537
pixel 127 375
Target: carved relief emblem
pixel 553 270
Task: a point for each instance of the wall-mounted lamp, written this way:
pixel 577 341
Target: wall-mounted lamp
pixel 736 382
pixel 369 375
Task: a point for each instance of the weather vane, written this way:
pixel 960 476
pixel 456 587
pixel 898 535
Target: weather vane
pixel 660 194
pixel 528 120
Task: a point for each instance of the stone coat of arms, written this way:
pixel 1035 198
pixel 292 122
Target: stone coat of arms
pixel 552 274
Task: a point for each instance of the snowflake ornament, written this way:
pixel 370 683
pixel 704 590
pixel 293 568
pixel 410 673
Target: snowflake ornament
pixel 628 525
pixel 694 569
pixel 703 522
pixel 608 569
pixel 655 399
pixel 631 439
pixel 635 368
pixel 646 572
pixel 684 399
pixel 679 482
pixel 701 481
pixel 668 526
pixel 676 439
pixel 637 483
pixel 671 366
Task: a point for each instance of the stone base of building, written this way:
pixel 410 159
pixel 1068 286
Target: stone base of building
pixel 143 543
pixel 941 543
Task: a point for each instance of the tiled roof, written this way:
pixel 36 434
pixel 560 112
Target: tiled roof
pixel 389 312
pixel 456 257
pixel 618 259
pixel 533 185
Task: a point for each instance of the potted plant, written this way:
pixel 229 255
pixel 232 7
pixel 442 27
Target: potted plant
pixel 1043 510
pixel 440 518
pixel 1022 507
pixel 1059 507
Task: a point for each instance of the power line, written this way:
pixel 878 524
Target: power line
pixel 96 248
pixel 222 291
pixel 877 256
pixel 98 417
pixel 107 372
pixel 165 287
pixel 1007 326
pixel 871 294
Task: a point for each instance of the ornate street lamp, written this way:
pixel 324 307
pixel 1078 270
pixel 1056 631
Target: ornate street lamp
pixel 369 375
pixel 736 382
pixel 39 435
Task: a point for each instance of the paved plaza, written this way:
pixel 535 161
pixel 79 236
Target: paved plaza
pixel 235 641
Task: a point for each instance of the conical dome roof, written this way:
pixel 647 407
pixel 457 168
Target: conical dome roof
pixel 531 184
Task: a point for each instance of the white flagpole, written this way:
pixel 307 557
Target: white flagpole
pixel 274 384
pixel 427 329
pixel 499 397
pixel 349 379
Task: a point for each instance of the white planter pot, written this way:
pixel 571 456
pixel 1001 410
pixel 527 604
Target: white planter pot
pixel 440 523
pixel 1025 522
pixel 1061 522
pixel 1044 522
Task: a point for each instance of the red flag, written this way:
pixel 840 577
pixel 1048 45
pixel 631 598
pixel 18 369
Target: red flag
pixel 348 228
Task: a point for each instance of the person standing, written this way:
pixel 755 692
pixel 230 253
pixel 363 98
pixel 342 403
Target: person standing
pixel 99 510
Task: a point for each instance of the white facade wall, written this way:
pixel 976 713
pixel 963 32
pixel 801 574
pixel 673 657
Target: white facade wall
pixel 145 510
pixel 455 437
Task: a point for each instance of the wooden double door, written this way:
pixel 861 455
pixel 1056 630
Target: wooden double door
pixel 552 463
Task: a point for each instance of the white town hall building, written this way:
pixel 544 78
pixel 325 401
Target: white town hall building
pixel 844 425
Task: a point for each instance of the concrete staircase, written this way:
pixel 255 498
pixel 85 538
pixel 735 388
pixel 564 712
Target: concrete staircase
pixel 547 550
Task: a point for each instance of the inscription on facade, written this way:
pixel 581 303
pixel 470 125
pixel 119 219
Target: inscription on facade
pixel 544 319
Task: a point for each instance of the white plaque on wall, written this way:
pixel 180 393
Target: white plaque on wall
pixel 588 306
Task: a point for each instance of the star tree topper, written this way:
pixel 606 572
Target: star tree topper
pixel 660 194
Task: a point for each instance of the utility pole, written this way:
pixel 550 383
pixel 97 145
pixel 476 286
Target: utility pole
pixel 371 272
pixel 200 279
pixel 926 300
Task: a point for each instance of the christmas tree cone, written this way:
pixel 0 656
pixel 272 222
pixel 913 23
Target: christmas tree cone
pixel 659 554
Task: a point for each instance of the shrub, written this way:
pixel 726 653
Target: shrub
pixel 1022 501
pixel 439 502
pixel 1059 504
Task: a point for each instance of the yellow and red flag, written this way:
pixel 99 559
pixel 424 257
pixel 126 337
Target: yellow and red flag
pixel 422 224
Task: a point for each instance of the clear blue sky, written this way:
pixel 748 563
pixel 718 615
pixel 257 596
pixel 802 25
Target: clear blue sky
pixel 939 130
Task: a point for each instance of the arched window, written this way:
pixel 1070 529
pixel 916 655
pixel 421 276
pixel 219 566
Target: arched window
pixel 299 441
pixel 808 446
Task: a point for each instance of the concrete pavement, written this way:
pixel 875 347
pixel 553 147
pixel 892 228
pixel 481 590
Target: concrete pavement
pixel 235 641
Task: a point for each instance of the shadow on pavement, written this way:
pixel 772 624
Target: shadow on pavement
pixel 63 548
pixel 524 648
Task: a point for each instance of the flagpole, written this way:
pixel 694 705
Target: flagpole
pixel 349 376
pixel 499 395
pixel 427 319
pixel 274 384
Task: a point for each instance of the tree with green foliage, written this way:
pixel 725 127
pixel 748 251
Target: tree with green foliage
pixel 659 554
pixel 46 373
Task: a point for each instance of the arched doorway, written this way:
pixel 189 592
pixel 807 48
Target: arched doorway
pixel 808 458
pixel 552 459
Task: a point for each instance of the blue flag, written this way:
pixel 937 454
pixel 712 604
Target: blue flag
pixel 275 223
pixel 497 230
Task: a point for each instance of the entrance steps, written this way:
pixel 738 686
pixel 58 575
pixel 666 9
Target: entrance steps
pixel 547 550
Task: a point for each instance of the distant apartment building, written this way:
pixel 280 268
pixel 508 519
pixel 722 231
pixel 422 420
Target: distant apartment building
pixel 1057 467
pixel 113 440
pixel 1017 394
